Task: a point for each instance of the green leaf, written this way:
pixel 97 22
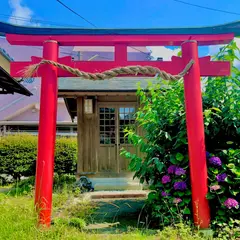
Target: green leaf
pixel 187 200
pixel 224 151
pixel 188 192
pixel 173 160
pixel 180 194
pixel 234 193
pixel 167 136
pixel 231 165
pixel 127 154
pixel 138 166
pixel 174 209
pixel 229 181
pixel 179 157
pixel 210 196
pixel 159 166
pixel 152 196
pixel 216 109
pixel 221 212
pixel 142 180
pixel 187 211
pixel 229 142
pixel 207 113
pixel 150 161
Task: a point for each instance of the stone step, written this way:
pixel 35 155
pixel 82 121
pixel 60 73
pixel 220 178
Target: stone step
pixel 129 194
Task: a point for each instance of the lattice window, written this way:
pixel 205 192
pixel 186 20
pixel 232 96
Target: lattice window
pixel 107 125
pixel 126 120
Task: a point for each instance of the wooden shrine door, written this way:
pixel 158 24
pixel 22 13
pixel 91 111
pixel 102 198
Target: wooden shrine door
pixel 113 119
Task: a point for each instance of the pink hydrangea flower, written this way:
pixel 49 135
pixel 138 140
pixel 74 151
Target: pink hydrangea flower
pixel 231 203
pixel 171 169
pixel 164 194
pixel 215 187
pixel 215 161
pixel 181 186
pixel 177 200
pixel 166 179
pixel 221 177
pixel 180 171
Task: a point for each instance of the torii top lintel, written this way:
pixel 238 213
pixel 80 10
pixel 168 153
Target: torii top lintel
pixel 220 34
pixel 120 39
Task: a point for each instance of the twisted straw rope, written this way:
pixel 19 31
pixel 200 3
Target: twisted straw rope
pixel 129 70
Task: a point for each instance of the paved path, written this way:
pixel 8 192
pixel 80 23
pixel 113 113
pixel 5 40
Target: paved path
pixel 4 190
pixel 116 210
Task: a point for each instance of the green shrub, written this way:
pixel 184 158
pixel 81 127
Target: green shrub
pixel 22 187
pixel 82 209
pixel 64 181
pixel 181 232
pixel 18 155
pixel 61 221
pixel 65 156
pixel 77 222
pixel 224 186
pixel 5 180
pixel 60 183
pixel 164 162
pixel 227 231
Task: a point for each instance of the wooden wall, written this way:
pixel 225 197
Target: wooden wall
pixel 91 156
pixel 87 136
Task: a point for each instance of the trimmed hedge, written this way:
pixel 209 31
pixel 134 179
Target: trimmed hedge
pixel 18 155
pixel 60 183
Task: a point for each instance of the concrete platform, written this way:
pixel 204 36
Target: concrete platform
pixel 111 184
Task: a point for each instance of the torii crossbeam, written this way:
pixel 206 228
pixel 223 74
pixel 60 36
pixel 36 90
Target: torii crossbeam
pixel 188 38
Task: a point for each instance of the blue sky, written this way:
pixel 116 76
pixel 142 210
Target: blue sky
pixel 119 13
pixel 124 13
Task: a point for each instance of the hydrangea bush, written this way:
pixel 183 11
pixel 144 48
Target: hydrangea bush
pixel 224 185
pixel 162 161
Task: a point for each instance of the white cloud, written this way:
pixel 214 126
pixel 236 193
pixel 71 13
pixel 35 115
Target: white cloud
pixel 21 15
pixel 214 49
pixel 163 52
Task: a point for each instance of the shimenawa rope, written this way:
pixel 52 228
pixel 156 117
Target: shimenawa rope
pixel 129 70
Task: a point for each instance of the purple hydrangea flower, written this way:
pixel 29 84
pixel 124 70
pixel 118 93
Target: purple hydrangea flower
pixel 215 161
pixel 177 200
pixel 171 169
pixel 231 203
pixel 207 155
pixel 180 171
pixel 164 194
pixel 215 187
pixel 180 186
pixel 221 177
pixel 166 179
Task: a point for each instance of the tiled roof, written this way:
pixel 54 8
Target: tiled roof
pixel 9 85
pixel 119 84
pixel 233 27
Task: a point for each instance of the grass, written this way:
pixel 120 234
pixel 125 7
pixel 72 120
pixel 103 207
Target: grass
pixel 18 222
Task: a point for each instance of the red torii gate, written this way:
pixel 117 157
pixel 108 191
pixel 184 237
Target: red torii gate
pixel 189 43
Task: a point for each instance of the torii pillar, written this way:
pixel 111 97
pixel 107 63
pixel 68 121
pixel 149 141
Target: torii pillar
pixel 195 133
pixel 47 134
